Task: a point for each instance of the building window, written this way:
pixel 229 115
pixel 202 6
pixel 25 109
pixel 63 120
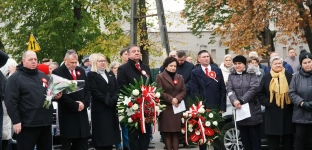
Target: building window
pixel 284 52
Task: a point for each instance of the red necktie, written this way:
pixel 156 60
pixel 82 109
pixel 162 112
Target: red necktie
pixel 207 72
pixel 73 75
pixel 138 66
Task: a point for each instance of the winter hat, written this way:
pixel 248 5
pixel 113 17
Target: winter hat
pixel 304 54
pixel 43 68
pixel 85 58
pixel 240 58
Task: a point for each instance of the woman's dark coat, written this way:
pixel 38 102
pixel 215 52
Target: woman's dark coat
pixel 277 121
pixel 105 123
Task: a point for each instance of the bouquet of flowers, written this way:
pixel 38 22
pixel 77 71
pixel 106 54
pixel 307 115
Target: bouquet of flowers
pixel 200 125
pixel 58 84
pixel 139 104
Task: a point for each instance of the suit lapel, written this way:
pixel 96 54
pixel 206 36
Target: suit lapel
pixel 67 73
pixel 201 73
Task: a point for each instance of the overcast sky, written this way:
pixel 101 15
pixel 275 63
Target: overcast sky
pixel 169 5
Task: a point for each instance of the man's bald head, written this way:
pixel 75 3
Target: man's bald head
pixel 30 60
pixel 173 54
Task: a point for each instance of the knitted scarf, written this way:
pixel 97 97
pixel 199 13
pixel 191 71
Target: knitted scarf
pixel 279 88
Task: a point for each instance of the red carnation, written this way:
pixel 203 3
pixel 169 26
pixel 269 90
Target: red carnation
pixel 194 137
pixel 209 132
pixel 157 100
pixel 139 100
pixel 130 104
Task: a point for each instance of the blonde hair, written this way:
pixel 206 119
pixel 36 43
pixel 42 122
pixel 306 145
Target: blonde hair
pixel 94 60
pixel 226 56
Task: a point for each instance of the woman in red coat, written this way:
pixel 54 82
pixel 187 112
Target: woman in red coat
pixel 174 92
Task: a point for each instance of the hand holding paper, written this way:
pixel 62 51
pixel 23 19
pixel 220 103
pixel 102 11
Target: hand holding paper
pixel 243 112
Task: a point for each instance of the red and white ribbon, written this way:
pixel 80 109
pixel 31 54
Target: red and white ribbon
pixel 202 130
pixel 142 122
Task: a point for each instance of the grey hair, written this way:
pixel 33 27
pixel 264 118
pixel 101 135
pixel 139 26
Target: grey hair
pixel 113 64
pixel 55 64
pixel 71 52
pixel 275 58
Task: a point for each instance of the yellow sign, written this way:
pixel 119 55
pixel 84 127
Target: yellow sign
pixel 32 44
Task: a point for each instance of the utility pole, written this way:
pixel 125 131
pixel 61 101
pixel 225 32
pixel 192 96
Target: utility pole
pixel 134 22
pixel 161 20
pixel 162 27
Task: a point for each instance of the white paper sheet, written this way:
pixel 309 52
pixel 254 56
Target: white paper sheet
pixel 243 113
pixel 180 108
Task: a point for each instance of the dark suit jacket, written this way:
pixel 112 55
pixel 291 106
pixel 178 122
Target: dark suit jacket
pixel 105 123
pixel 210 90
pixel 127 72
pixel 73 124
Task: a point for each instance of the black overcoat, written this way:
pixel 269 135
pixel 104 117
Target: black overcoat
pixel 105 123
pixel 277 121
pixel 73 124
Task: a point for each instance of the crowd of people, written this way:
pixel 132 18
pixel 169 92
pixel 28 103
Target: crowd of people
pixel 282 87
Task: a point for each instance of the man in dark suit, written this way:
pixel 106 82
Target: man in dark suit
pixel 207 83
pixel 135 69
pixel 72 108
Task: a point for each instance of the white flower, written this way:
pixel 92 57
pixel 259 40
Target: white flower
pixel 207 124
pixel 120 96
pixel 190 129
pixel 197 133
pixel 201 110
pixel 135 92
pixel 210 115
pixel 182 119
pixel 190 126
pixel 121 117
pixel 120 110
pixel 129 112
pixel 157 108
pixel 126 100
pixel 201 141
pixel 135 107
pixel 157 94
pixel 185 114
pixel 130 120
pixel 183 131
pixel 215 123
pixel 190 115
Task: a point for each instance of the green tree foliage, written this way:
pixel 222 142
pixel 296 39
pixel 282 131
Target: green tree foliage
pixel 58 25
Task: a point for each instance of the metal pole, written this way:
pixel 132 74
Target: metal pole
pixel 234 114
pixel 133 22
pixel 162 26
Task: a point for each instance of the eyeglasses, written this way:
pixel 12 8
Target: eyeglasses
pixel 102 61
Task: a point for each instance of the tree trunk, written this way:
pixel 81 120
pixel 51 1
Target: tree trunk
pixel 307 28
pixel 143 32
pixel 267 38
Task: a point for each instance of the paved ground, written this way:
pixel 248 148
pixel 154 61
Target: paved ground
pixel 160 146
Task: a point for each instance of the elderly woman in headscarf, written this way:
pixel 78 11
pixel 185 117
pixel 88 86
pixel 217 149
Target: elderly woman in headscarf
pixel 273 94
pixel 300 93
